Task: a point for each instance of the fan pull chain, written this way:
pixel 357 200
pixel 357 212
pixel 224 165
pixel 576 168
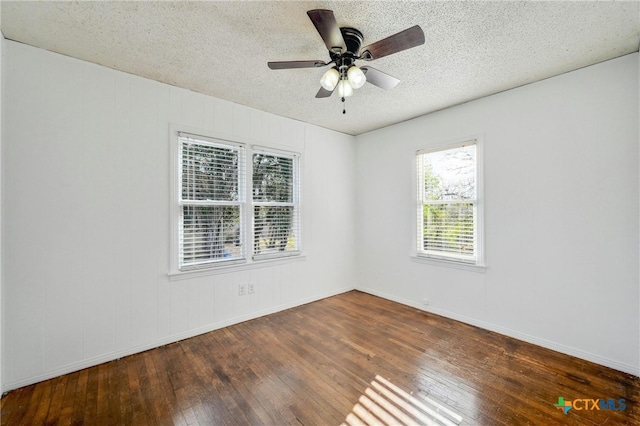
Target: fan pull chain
pixel 344 110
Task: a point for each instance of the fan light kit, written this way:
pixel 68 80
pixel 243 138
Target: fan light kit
pixel 344 44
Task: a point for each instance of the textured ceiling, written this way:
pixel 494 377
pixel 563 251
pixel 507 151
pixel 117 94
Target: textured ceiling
pixel 472 49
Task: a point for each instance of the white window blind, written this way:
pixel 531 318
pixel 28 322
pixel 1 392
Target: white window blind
pixel 211 202
pixel 447 203
pixel 276 206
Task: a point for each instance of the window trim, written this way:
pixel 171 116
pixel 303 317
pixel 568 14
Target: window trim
pixel 443 260
pixel 248 262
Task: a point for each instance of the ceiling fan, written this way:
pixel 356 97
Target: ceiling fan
pixel 344 45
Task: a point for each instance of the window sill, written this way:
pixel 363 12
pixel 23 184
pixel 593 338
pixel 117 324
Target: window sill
pixel 225 269
pixel 449 264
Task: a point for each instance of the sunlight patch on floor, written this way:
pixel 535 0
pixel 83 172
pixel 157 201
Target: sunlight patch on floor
pixel 385 404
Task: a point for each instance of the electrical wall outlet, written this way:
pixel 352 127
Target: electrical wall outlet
pixel 242 289
pixel 425 301
pixel 251 288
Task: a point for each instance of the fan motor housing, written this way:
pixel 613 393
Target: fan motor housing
pixel 352 39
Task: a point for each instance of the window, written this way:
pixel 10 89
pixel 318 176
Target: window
pixel 211 202
pixel 232 203
pixel 276 225
pixel 448 214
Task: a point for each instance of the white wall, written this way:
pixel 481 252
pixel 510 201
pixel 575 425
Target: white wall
pixel 85 169
pixel 561 214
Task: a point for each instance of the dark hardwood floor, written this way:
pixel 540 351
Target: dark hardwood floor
pixel 350 359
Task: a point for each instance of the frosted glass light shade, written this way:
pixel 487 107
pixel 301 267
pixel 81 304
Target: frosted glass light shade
pixel 344 89
pixel 356 77
pixel 330 79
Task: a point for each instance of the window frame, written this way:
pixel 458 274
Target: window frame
pixel 246 231
pixel 295 203
pixel 441 258
pixel 241 202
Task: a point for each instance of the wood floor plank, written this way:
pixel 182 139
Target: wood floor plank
pixel 80 397
pixel 91 401
pixel 157 359
pixel 9 408
pixel 109 413
pixel 349 359
pixel 179 382
pixel 30 404
pixel 124 403
pixel 140 413
pixel 13 410
pixel 103 392
pixel 67 400
pixel 58 388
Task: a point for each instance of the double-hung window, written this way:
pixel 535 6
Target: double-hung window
pixel 448 214
pixel 232 203
pixel 211 202
pixel 276 212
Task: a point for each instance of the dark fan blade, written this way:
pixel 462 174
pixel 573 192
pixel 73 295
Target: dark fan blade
pixel 380 79
pixel 284 65
pixel 411 37
pixel 328 28
pixel 323 93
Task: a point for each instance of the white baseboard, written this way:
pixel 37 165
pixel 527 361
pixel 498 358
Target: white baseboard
pixel 568 350
pixel 86 363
